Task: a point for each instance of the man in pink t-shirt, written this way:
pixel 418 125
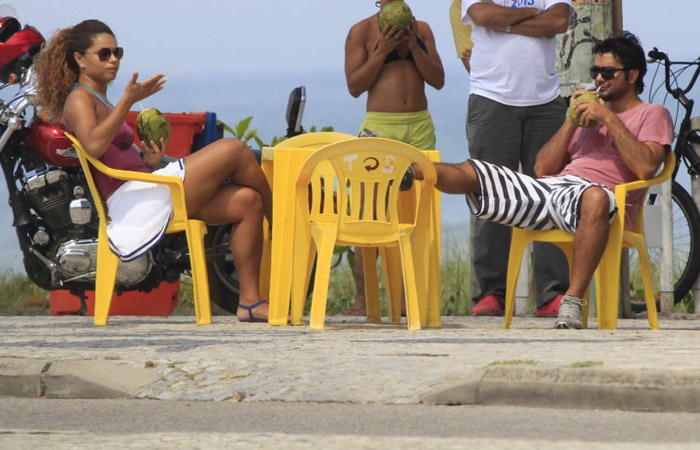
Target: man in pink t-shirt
pixel 623 139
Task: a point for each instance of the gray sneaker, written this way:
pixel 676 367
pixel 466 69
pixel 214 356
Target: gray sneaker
pixel 570 313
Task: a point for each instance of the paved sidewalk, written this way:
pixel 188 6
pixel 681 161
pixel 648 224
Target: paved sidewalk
pixel 471 360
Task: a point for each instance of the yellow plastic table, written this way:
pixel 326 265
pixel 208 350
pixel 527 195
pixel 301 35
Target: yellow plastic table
pixel 281 165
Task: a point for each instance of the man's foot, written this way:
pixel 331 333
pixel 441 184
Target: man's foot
pixel 570 313
pixel 488 306
pixel 245 311
pixel 551 308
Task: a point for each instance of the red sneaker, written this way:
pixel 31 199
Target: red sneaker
pixel 551 308
pixel 488 306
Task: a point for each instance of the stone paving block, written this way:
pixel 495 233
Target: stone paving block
pixel 21 377
pixel 96 379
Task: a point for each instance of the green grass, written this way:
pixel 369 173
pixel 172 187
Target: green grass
pixel 584 364
pixel 512 362
pixel 20 297
pixel 455 272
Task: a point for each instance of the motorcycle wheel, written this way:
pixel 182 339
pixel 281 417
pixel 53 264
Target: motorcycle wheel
pixel 224 286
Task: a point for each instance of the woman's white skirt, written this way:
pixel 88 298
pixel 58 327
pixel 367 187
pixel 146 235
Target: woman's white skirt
pixel 139 214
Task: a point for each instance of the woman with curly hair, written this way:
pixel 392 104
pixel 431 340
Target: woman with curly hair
pixel 74 71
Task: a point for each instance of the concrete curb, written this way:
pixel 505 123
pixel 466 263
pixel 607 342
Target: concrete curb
pixel 582 388
pixel 89 379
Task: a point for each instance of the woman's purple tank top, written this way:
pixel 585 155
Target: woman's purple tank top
pixel 119 155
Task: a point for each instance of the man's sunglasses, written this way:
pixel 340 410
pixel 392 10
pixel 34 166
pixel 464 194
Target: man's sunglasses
pixel 608 73
pixel 105 53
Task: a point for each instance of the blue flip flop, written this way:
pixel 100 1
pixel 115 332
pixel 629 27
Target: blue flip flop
pixel 250 309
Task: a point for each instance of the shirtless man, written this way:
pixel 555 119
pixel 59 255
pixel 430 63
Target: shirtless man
pixel 392 66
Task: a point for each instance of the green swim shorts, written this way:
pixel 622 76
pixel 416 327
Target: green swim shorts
pixel 415 128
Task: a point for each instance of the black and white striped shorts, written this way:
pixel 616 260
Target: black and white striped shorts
pixel 518 200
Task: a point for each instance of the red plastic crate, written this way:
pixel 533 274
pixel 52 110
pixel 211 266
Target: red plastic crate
pixel 159 302
pixel 183 127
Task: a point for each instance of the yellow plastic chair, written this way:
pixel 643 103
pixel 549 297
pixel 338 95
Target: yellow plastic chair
pixel 108 262
pixel 315 140
pixel 607 275
pixel 281 166
pixel 364 177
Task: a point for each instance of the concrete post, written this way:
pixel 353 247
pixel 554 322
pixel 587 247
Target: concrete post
pixel 592 20
pixel 695 191
pixel 666 264
pixel 695 187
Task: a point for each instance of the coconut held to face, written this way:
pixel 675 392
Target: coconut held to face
pixel 151 125
pixel 397 13
pixel 576 119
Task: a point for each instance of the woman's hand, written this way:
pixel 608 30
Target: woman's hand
pixel 389 39
pixel 411 36
pixel 153 153
pixel 136 91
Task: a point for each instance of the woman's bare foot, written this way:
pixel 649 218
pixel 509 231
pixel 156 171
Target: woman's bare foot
pixel 252 311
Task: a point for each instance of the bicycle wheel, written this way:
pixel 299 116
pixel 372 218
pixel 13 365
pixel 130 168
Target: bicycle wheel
pixel 686 254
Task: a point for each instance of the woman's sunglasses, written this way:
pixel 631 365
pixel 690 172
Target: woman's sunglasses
pixel 607 73
pixel 105 53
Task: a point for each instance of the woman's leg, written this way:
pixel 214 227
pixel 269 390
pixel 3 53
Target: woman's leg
pixel 243 207
pixel 209 167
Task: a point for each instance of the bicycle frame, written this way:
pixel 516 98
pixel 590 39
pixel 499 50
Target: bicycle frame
pixel 686 134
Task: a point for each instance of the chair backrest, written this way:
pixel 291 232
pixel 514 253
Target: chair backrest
pixel 354 184
pixel 669 165
pixel 315 140
pixel 85 161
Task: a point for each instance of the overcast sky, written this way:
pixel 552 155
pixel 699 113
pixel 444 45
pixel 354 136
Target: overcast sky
pixel 185 37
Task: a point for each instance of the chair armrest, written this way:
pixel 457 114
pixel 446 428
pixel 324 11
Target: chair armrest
pixel 669 165
pixel 174 183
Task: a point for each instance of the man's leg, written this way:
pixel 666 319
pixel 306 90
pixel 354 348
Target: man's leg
pixel 590 240
pixel 550 265
pixel 494 132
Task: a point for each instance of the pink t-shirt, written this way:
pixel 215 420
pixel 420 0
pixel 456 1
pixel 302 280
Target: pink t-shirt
pixel 594 157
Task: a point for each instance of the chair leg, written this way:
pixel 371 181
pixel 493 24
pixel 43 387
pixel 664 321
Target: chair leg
pixel 265 263
pixel 393 280
pixel 369 266
pixel 196 229
pixel 301 263
pixel 107 266
pixel 607 283
pixel 409 281
pixel 586 306
pixel 325 241
pixel 434 279
pixel 518 244
pixel 652 315
pixel 421 261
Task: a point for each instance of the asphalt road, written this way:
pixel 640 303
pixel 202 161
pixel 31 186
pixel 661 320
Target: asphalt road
pixel 126 418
